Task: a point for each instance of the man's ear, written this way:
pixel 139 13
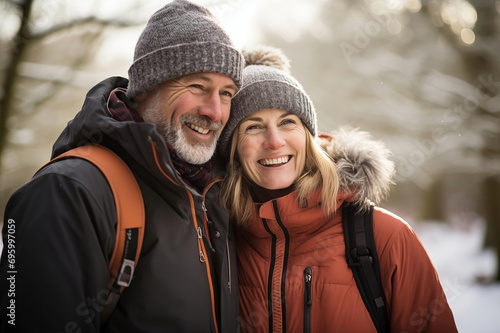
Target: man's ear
pixel 139 102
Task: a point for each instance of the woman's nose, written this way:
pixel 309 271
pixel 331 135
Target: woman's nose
pixel 274 139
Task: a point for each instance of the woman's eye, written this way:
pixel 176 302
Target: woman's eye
pixel 287 122
pixel 197 86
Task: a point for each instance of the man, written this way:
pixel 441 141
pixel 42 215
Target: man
pixel 164 123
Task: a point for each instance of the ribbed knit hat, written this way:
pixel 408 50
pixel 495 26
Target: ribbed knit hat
pixel 267 84
pixel 180 39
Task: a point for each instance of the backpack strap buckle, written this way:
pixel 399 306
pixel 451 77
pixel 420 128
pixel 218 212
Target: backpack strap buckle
pixel 126 273
pixel 358 255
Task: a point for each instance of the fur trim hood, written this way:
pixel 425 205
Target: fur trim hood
pixel 364 166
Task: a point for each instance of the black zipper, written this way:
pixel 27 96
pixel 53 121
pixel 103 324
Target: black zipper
pixel 307 299
pixel 270 277
pixel 271 271
pixel 285 264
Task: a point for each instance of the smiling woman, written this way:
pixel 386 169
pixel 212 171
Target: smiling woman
pixel 270 134
pixel 287 197
pixel 271 148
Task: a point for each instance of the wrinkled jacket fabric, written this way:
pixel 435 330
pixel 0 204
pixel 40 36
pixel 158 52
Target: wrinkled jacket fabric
pixel 287 237
pixel 65 221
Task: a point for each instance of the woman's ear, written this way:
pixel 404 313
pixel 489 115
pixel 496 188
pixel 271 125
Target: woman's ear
pixel 327 142
pixel 325 136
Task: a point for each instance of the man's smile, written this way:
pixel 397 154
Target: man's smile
pixel 197 128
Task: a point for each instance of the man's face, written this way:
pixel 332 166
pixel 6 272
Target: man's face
pixel 190 112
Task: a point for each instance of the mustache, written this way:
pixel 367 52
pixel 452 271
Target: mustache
pixel 201 121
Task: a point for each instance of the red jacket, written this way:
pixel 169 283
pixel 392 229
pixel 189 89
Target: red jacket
pixel 287 237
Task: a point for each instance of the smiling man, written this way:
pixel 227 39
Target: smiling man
pixel 190 112
pixel 164 122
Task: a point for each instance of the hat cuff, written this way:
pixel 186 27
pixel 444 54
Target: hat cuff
pixel 168 63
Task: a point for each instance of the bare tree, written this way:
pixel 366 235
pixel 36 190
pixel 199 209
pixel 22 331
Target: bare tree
pixel 482 111
pixel 44 74
pixel 18 47
pixel 30 33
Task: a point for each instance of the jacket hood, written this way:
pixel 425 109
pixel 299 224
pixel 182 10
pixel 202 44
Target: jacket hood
pixel 364 166
pixel 95 125
pixel 137 142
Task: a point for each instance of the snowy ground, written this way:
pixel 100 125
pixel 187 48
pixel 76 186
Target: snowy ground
pixel 460 262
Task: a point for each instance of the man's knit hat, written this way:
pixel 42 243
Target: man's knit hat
pixel 180 39
pixel 267 84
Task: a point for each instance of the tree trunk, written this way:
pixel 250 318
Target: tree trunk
pixel 19 46
pixel 482 64
pixel 491 206
pixel 431 203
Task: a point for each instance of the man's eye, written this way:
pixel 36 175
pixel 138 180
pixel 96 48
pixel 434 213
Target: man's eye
pixel 227 93
pixel 253 127
pixel 197 86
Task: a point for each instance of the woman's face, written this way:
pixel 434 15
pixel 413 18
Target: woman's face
pixel 272 148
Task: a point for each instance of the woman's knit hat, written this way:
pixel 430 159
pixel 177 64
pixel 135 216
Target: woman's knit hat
pixel 267 84
pixel 180 39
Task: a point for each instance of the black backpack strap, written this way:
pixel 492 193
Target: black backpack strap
pixel 362 258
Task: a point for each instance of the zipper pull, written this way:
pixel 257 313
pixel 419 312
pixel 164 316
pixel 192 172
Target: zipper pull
pixel 205 210
pixel 228 266
pixel 200 239
pixel 307 287
pixel 307 299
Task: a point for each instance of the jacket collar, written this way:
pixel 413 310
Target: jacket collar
pixel 298 217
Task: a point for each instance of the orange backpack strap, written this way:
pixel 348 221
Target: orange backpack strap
pixel 130 213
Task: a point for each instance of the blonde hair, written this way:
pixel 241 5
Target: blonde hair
pixel 319 172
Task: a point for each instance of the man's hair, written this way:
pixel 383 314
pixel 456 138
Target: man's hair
pixel 319 172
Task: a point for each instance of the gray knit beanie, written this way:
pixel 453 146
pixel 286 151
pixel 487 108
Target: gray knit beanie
pixel 180 39
pixel 267 84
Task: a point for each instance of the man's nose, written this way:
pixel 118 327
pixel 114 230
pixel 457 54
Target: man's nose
pixel 274 140
pixel 212 107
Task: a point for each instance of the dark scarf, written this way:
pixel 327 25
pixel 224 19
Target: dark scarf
pixel 121 108
pixel 197 175
pixel 261 194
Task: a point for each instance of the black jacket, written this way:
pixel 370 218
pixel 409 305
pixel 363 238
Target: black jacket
pixel 63 221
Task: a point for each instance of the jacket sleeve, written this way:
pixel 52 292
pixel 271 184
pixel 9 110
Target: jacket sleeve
pixel 416 300
pixel 58 234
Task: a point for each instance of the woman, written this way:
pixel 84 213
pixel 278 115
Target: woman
pixel 285 195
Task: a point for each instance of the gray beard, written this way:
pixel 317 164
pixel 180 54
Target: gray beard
pixel 191 152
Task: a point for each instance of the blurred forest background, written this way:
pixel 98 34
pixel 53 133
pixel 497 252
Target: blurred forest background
pixel 421 75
